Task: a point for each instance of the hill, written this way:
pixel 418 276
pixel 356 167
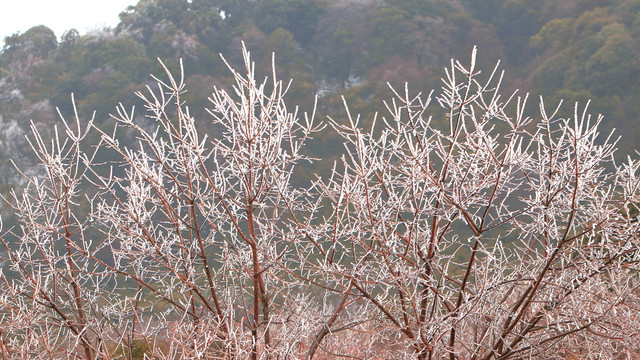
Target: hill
pixel 569 49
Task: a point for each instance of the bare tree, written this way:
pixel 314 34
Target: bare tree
pixel 194 233
pixel 52 303
pixel 493 236
pixel 476 232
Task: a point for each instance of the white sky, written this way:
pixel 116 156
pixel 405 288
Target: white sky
pixel 59 15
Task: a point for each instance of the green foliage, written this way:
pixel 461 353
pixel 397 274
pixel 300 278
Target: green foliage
pixel 387 34
pixel 586 5
pixel 552 35
pixel 299 17
pixel 423 7
pixel 122 54
pixel 517 21
pixel 342 43
pixel 38 41
pixel 562 48
pixel 593 55
pixel 108 87
pixel 613 63
pixel 483 10
pixel 39 38
pixel 549 77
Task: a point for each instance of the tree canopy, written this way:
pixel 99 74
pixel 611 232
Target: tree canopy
pixel 569 49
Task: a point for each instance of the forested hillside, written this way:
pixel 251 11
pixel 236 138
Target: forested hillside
pixel 569 49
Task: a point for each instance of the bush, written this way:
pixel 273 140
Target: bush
pixel 498 236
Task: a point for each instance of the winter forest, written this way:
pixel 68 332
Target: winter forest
pixel 324 179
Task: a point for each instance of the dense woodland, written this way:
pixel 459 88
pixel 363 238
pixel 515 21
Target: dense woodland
pixel 574 50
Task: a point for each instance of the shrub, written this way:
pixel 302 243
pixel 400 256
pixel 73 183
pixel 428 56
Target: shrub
pixel 497 235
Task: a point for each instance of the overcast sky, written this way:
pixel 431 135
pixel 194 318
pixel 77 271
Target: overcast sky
pixel 59 15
